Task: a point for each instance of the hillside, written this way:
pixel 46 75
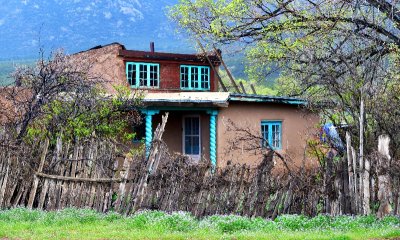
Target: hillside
pixel 26 26
pixel 7 67
pixel 29 25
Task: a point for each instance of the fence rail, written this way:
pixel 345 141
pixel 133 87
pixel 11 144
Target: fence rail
pixel 91 174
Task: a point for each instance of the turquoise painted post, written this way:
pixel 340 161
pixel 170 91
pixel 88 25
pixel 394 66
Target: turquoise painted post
pixel 149 133
pixel 213 137
pixel 149 130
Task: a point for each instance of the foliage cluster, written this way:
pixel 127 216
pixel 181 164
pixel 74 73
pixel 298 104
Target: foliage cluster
pixel 60 97
pixel 336 54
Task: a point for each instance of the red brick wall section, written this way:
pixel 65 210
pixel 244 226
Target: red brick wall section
pixel 170 75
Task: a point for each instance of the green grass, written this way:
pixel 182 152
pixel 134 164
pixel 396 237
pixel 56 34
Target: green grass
pixel 20 223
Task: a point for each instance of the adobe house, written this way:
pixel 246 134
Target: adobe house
pixel 186 86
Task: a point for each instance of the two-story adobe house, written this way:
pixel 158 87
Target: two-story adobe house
pixel 200 116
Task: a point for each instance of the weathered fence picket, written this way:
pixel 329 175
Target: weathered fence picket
pixel 89 174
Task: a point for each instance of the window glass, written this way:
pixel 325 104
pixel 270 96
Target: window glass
pixel 192 135
pixel 271 132
pixel 142 74
pixel 184 77
pixel 194 83
pixel 195 77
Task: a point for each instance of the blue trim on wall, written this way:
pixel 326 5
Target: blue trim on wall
pixel 166 108
pixel 213 137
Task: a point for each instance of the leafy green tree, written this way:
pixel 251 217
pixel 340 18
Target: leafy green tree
pixel 341 53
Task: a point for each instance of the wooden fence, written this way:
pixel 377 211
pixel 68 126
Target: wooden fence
pixel 93 174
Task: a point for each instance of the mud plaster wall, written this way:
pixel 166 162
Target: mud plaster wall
pixel 104 63
pixel 298 125
pixel 174 130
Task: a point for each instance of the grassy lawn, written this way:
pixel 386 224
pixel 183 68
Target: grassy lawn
pixel 21 223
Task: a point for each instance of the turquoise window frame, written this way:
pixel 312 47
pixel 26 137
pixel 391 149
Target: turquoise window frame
pixel 136 66
pixel 197 80
pixel 267 133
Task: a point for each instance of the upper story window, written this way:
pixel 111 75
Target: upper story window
pixel 271 132
pixel 195 77
pixel 141 74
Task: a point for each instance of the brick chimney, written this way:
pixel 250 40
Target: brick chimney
pixel 151 46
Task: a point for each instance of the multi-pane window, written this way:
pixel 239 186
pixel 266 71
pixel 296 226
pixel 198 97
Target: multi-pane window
pixel 142 74
pixel 271 132
pixel 195 77
pixel 192 136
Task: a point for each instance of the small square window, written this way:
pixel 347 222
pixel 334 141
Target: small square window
pixel 271 132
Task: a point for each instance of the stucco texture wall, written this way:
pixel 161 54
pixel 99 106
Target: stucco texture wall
pixel 174 130
pixel 104 63
pixel 298 125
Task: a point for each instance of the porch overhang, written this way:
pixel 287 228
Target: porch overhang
pixel 186 100
pixel 238 97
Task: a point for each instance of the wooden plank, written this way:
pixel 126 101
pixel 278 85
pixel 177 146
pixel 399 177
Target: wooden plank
pixel 141 189
pixel 4 183
pixel 122 187
pixel 36 179
pixel 253 89
pixel 43 193
pixel 212 66
pixel 51 199
pixel 242 87
pixel 77 179
pixel 223 64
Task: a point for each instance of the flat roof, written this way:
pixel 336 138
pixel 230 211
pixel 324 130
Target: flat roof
pixel 216 99
pixel 265 98
pixel 220 99
pixel 159 56
pixel 146 55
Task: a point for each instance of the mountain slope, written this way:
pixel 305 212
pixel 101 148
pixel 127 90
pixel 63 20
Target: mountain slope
pixel 76 25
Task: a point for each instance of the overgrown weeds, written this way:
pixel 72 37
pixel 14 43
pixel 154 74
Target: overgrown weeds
pixel 86 223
